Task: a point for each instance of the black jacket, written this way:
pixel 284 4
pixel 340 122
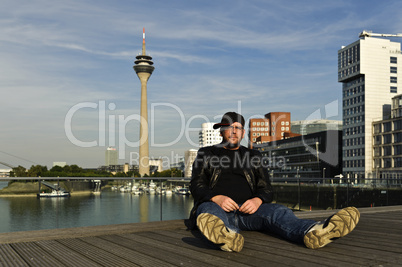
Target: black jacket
pixel 206 173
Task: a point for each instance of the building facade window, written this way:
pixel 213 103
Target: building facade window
pixel 387 139
pixel 394 89
pixel 398 162
pixel 397 137
pixel 387 127
pixel 397 125
pixel 387 150
pixel 393 79
pixel 387 163
pixel 394 60
pixel 377 140
pixel 398 150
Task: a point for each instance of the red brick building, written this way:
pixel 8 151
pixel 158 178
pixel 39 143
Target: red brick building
pixel 274 126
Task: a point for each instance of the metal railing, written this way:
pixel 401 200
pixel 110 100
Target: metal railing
pixel 300 193
pixel 325 193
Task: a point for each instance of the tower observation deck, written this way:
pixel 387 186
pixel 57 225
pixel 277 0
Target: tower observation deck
pixel 143 63
pixel 143 67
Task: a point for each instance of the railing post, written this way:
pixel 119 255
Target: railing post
pixel 299 193
pixel 387 188
pixel 160 196
pixel 347 192
pixel 335 201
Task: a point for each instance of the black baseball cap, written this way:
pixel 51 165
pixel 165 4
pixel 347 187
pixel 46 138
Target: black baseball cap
pixel 229 118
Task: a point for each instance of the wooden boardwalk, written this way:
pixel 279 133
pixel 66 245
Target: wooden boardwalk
pixel 376 241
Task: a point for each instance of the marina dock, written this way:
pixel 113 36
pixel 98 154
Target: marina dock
pixel 376 241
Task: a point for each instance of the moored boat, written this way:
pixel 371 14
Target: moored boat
pixel 183 191
pixel 54 193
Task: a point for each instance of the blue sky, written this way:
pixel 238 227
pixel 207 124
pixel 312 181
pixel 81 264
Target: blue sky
pixel 210 57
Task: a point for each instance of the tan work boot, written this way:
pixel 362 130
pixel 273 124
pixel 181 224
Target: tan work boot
pixel 215 231
pixel 336 226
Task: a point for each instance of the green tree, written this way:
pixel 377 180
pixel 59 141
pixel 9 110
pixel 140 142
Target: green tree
pixel 120 174
pixel 19 172
pixel 37 170
pixel 67 169
pixel 56 169
pixel 75 169
pixel 173 172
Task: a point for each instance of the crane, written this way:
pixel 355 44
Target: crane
pixel 371 34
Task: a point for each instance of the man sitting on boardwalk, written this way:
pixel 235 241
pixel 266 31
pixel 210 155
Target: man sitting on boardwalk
pixel 232 192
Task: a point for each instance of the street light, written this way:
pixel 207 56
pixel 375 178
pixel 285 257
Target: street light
pixel 323 175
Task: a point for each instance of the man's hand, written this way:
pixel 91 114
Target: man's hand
pixel 226 203
pixel 251 205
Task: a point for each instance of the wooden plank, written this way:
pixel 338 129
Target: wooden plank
pixel 124 252
pixel 243 257
pixel 369 236
pixel 64 254
pixel 154 248
pixel 201 249
pixel 369 257
pixel 295 253
pixel 247 256
pixel 100 256
pixel 77 232
pixel 381 244
pixel 34 255
pixel 9 257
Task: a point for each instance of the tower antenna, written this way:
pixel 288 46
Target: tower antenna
pixel 143 42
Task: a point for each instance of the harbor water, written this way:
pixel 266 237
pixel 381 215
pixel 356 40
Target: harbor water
pixel 110 207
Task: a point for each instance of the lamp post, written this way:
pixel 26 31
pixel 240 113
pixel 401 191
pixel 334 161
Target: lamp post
pixel 298 191
pixel 323 175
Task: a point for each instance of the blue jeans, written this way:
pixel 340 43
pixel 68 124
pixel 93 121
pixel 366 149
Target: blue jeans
pixel 273 218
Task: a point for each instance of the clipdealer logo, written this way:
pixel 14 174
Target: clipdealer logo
pixel 108 124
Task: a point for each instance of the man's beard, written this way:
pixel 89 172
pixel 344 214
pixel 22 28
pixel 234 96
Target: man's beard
pixel 230 145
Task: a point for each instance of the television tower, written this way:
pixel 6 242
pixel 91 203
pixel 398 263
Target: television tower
pixel 143 67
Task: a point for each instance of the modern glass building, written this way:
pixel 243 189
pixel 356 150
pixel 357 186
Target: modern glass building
pixel 315 155
pixel 369 73
pixel 387 137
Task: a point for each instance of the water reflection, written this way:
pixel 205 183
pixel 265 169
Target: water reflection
pixel 30 213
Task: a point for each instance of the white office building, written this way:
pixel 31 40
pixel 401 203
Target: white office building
pixel 189 157
pixel 157 164
pixel 208 136
pixel 110 156
pixel 369 73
